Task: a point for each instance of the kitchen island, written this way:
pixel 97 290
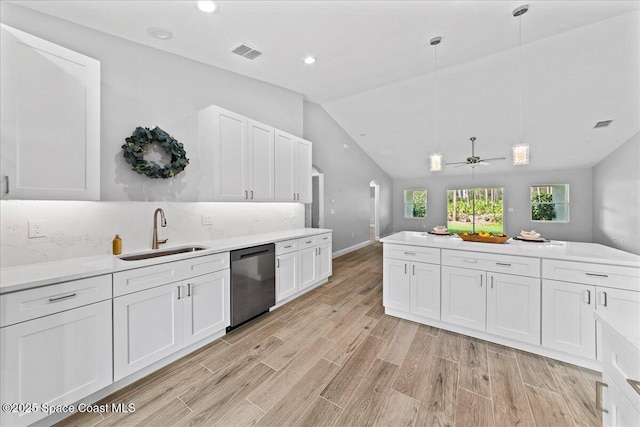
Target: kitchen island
pixel 538 297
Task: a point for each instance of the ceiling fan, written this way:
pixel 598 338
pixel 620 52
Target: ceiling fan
pixel 474 161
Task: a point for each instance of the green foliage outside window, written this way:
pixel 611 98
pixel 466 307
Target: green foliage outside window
pixel 542 207
pixel 415 203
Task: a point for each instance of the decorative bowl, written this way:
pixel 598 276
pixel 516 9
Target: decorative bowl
pixel 467 237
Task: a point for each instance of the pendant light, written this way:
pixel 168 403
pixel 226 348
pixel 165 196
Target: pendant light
pixel 520 150
pixel 435 160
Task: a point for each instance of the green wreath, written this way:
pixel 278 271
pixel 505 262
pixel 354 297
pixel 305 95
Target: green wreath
pixel 134 151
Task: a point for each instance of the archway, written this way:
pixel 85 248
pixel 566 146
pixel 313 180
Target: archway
pixel 374 204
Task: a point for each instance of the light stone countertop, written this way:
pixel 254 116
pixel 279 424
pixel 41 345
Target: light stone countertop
pixel 567 251
pixel 34 275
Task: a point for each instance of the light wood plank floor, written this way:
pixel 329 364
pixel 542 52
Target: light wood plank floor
pixel 332 357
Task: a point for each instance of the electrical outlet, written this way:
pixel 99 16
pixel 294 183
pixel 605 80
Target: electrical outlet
pixel 37 228
pixel 207 219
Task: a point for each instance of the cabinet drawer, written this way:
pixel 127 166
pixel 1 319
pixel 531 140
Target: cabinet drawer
pixel 412 253
pixel 611 276
pixel 498 263
pixel 324 238
pixel 620 362
pixel 286 246
pixel 308 242
pixel 126 282
pixel 25 305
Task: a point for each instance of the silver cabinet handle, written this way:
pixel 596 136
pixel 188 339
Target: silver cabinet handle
pixel 470 260
pixel 309 241
pixel 599 385
pixel 189 285
pixel 179 292
pixel 491 282
pixel 603 298
pixel 405 269
pixel 587 297
pixel 246 194
pixel 278 263
pixel 6 188
pixel 414 269
pixel 481 280
pixel 410 253
pixel 62 297
pixel 597 275
pixel 503 264
pixel 287 247
pixel 634 385
pixel 251 194
pixel 319 251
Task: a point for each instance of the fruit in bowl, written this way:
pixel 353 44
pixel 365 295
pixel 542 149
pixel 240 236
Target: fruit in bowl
pixel 483 236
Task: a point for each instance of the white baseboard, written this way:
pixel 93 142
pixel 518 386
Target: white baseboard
pixel 351 249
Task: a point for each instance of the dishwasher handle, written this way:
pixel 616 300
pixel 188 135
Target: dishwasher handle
pixel 254 254
pixel 241 254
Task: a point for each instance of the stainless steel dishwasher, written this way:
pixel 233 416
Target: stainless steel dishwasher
pixel 253 283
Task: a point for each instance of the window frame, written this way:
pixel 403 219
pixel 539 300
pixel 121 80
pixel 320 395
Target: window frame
pixel 472 190
pixel 405 203
pixel 566 203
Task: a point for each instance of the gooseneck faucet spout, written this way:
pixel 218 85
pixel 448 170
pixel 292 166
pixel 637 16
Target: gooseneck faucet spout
pixel 155 244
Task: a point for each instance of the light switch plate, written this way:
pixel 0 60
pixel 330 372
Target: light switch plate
pixel 207 219
pixel 37 228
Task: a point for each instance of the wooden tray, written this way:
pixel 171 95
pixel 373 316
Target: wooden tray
pixel 477 238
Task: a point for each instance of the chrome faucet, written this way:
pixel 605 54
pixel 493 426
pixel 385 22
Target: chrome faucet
pixel 156 243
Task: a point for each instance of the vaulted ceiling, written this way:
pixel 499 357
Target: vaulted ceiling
pixel 375 69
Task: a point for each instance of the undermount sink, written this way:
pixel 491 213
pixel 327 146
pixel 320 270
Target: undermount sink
pixel 156 254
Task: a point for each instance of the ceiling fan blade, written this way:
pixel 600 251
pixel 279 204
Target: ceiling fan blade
pixel 462 164
pixel 495 158
pixel 456 163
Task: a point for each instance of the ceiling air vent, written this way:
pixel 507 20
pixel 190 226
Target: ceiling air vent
pixel 603 124
pixel 246 51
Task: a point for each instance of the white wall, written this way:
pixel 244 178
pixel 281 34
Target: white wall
pixel 516 196
pixel 77 229
pixel 348 173
pixel 143 86
pixel 616 198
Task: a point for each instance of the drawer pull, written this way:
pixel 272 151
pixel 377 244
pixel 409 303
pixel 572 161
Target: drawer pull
pixel 309 241
pixel 325 238
pixel 62 297
pixel 410 253
pixel 634 384
pixel 599 386
pixel 503 264
pixel 470 260
pixel 288 246
pixel 597 275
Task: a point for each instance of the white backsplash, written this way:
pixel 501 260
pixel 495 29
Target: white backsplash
pixel 77 229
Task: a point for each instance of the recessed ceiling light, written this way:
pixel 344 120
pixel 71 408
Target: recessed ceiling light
pixel 363 134
pixel 208 6
pixel 310 60
pixel 160 33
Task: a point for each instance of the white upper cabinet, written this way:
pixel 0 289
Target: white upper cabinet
pixel 293 168
pixel 50 120
pixel 237 157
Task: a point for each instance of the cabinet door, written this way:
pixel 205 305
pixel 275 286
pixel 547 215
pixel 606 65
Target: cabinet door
pixel 261 162
pixel 396 284
pixel 147 326
pixel 229 156
pixel 284 160
pixel 206 306
pixel 303 172
pixel 464 297
pixel 619 301
pixel 56 359
pixel 324 260
pixel 425 290
pixel 620 411
pixel 50 120
pixel 287 275
pixel 308 267
pixel 567 317
pixel 513 307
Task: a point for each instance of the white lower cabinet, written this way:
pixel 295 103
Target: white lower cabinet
pixel 324 260
pixel 513 307
pixel 287 273
pixel 56 359
pixel 464 297
pixel 412 287
pixel 155 323
pixel 619 410
pixel 308 267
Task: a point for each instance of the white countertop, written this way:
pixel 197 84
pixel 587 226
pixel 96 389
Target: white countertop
pixel 560 250
pixel 33 275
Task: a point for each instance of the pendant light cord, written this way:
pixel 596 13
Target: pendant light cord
pixel 520 69
pixel 435 91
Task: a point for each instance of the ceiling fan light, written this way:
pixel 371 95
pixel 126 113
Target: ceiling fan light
pixel 435 162
pixel 521 154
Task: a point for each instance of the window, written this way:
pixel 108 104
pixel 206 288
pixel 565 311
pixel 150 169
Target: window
pixel 550 203
pixel 488 214
pixel 415 204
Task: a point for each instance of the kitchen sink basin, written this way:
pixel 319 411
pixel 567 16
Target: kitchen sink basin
pixel 156 254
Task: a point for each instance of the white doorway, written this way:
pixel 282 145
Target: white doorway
pixel 314 211
pixel 374 203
